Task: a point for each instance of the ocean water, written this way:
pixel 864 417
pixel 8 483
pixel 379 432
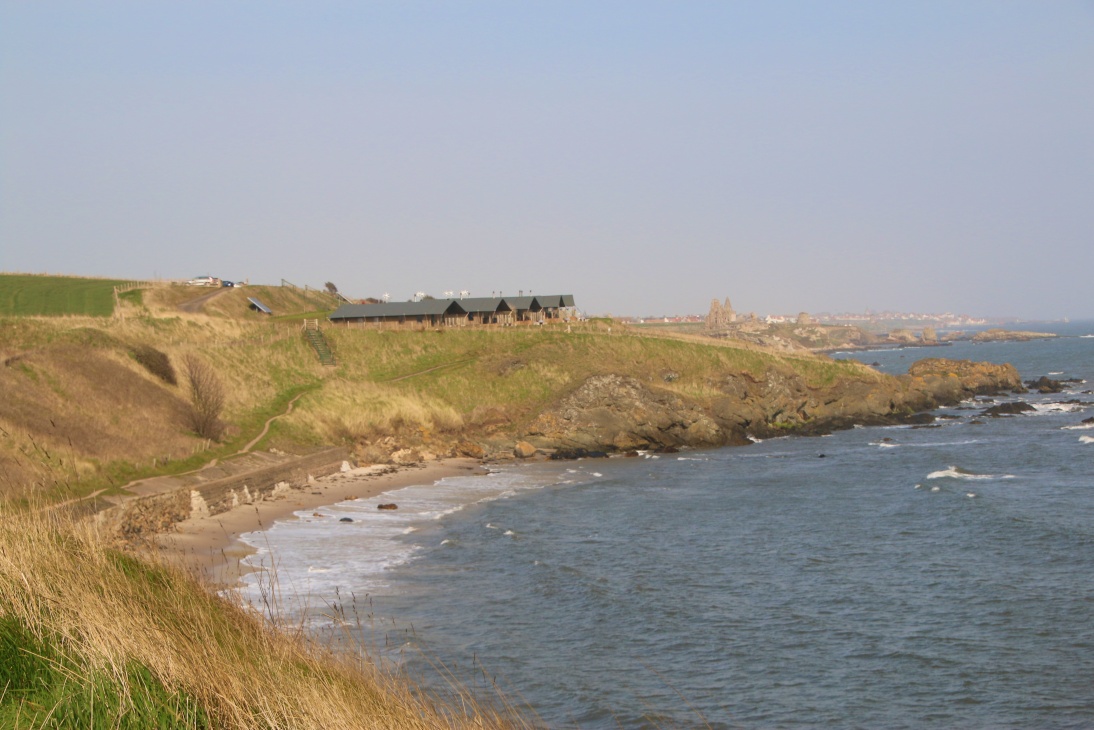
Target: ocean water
pixel 878 577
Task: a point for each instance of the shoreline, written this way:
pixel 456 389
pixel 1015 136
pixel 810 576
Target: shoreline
pixel 212 549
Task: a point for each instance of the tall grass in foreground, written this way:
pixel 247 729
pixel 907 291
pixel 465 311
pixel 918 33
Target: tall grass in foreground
pixel 93 637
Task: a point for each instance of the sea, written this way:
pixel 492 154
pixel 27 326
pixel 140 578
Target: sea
pixel 881 577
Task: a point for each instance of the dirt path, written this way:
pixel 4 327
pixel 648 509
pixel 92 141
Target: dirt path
pixel 195 305
pixel 266 427
pixel 427 370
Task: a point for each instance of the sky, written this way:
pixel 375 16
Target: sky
pixel 646 157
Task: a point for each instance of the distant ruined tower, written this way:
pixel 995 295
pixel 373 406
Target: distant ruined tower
pixel 728 313
pixel 804 318
pixel 716 316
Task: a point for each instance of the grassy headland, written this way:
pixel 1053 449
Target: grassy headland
pixel 90 635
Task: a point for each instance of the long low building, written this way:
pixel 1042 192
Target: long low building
pixel 461 312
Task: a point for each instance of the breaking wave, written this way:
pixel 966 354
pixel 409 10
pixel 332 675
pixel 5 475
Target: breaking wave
pixel 956 472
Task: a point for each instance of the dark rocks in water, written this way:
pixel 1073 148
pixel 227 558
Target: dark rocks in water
pixel 875 364
pixel 389 505
pixel 927 425
pixel 667 450
pixel 822 456
pixel 346 519
pixel 571 454
pixel 948 417
pixel 887 440
pixel 976 422
pixel 631 454
pixel 1044 384
pixel 920 418
pixel 1089 420
pixel 1008 409
pixel 1077 402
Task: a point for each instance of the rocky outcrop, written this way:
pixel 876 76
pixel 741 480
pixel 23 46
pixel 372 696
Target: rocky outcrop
pixel 524 450
pixel 1012 408
pixel 1045 384
pixel 1001 335
pixel 616 413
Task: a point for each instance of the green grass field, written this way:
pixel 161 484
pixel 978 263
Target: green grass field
pixel 28 295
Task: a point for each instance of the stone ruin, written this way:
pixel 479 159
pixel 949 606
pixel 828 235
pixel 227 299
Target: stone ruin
pixel 720 315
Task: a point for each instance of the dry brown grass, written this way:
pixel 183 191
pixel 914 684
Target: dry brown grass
pixel 102 618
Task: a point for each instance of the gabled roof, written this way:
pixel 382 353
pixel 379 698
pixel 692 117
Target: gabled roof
pixel 523 302
pixel 426 307
pixel 477 305
pixel 555 301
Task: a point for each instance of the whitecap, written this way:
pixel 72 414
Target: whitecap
pixel 313 569
pixel 1059 372
pixel 1086 337
pixel 1078 427
pixel 970 495
pixel 883 445
pixel 936 489
pixel 1086 439
pixel 597 474
pixel 510 533
pixel 956 472
pixel 755 440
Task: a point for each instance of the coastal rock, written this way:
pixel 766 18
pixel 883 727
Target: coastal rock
pixel 1008 409
pixel 618 414
pixel 1001 335
pixel 387 506
pixel 470 449
pixel 1045 385
pixel 524 450
pixel 406 457
pixel 972 378
pixel 611 412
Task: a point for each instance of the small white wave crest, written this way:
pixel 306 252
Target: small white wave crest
pixel 956 472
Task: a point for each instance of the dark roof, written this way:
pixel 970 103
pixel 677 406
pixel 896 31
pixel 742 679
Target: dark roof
pixel 437 307
pixel 555 301
pixel 426 307
pixel 483 304
pixel 523 302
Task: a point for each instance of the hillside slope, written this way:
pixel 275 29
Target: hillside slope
pixel 81 409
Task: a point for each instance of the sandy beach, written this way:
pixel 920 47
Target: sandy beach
pixel 211 546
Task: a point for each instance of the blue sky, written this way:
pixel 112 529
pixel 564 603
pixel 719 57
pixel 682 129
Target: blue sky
pixel 645 156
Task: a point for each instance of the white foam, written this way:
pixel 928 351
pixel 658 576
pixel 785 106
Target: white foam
pixel 956 472
pixel 1086 439
pixel 883 445
pixel 294 552
pixel 1042 408
pixel 597 474
pixel 1086 337
pixel 1078 427
pixel 510 533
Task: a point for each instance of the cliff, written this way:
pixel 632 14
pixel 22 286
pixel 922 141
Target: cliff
pixel 612 412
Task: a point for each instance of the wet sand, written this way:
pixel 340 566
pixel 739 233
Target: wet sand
pixel 210 546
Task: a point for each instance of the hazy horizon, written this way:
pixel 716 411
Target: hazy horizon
pixel 644 156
